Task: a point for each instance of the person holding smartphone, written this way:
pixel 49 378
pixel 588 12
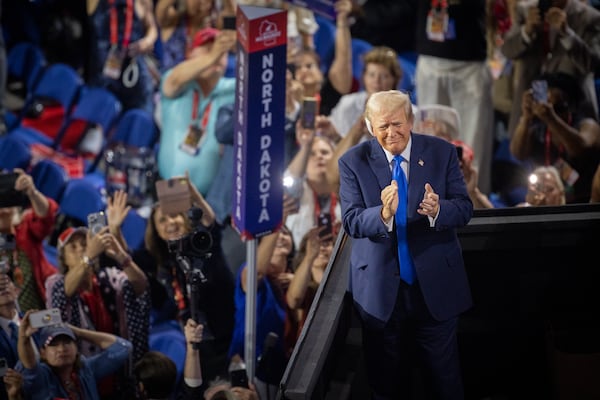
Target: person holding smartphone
pixel 179 20
pixel 25 228
pixel 318 198
pixel 554 132
pixel 62 371
pixel 101 296
pixel 171 300
pixel 309 266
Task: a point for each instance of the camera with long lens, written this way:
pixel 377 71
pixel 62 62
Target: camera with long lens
pixel 198 242
pixel 191 250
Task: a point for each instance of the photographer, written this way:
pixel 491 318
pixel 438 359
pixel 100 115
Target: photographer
pixel 22 231
pixel 169 237
pixel 545 188
pixel 112 299
pixel 552 132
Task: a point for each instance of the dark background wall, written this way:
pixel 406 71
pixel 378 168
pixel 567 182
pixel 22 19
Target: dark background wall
pixel 534 331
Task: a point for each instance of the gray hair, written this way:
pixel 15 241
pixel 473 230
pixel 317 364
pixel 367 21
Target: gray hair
pixel 387 99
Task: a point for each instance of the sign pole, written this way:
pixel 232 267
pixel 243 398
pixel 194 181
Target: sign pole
pixel 250 346
pixel 258 144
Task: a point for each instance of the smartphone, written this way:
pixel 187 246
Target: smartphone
pixel 540 91
pixel 9 197
pixel 173 195
pixel 229 22
pixel 96 221
pixel 325 220
pixel 43 318
pixel 3 366
pixel 308 116
pixel 239 377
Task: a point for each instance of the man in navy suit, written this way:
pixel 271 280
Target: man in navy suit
pixel 406 325
pixel 8 344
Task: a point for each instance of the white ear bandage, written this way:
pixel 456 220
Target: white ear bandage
pixel 369 127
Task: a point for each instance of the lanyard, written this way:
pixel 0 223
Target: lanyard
pixel 114 23
pixel 332 204
pixel 547 146
pixel 188 37
pixel 205 114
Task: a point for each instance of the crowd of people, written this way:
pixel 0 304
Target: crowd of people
pixel 171 58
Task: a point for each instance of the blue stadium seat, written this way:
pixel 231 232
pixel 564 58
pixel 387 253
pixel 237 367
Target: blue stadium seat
pixel 136 127
pixel 96 106
pixel 50 178
pixel 81 198
pixel 59 83
pixel 25 64
pixel 13 153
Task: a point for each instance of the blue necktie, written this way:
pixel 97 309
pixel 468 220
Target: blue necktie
pixel 14 334
pixel 407 268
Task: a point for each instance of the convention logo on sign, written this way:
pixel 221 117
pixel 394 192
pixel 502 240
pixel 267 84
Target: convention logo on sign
pixel 260 121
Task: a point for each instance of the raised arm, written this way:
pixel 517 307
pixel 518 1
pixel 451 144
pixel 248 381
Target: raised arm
pixel 188 70
pixel 101 339
pixel 24 344
pixel 135 275
pixel 192 372
pixel 302 276
pixel 78 275
pixel 39 202
pixel 340 72
pixel 116 212
pixel 297 166
pixel 208 214
pixel 356 133
pixel 145 45
pixel 521 142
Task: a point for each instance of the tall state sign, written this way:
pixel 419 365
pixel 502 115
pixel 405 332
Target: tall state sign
pixel 260 120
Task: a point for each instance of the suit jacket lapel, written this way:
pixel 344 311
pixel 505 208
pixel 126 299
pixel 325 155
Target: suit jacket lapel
pixel 379 164
pixel 417 178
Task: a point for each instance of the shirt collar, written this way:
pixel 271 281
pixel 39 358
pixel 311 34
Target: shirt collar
pixel 4 322
pixel 405 153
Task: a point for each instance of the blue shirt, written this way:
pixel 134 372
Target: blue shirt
pixel 41 383
pixel 176 117
pixel 270 316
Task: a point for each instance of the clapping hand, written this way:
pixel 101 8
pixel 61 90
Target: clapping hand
pixel 430 204
pixel 389 200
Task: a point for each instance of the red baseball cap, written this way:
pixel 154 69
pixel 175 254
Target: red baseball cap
pixel 204 36
pixel 68 233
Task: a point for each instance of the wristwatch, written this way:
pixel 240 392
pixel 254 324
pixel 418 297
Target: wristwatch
pixel 89 262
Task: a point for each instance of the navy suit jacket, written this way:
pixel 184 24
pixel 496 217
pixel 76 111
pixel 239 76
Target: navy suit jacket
pixel 436 251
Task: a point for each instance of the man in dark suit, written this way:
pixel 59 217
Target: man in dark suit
pixel 406 324
pixel 9 324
